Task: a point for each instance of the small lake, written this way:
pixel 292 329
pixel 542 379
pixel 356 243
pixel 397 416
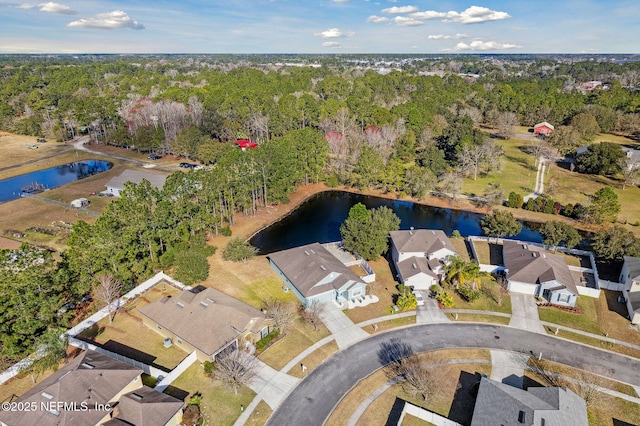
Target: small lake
pixel 319 218
pixel 11 189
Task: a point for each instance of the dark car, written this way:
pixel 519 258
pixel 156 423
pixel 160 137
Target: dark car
pixel 188 165
pixel 154 157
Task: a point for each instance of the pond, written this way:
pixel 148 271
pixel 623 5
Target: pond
pixel 319 218
pixel 13 188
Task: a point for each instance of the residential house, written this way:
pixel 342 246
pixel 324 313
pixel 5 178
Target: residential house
pixel 630 276
pixel 531 270
pixel 245 143
pixel 205 320
pixel 94 389
pixel 633 156
pixel 501 404
pixel 116 184
pixel 316 276
pixel 420 255
pixel 544 129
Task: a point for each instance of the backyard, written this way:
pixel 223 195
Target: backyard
pixel 127 335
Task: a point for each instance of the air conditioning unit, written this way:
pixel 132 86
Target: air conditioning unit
pixel 167 342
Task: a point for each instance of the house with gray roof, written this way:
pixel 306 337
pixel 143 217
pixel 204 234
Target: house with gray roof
pixel 94 389
pixel 206 321
pixel 420 255
pixel 531 270
pixel 630 276
pixel 501 404
pixel 316 276
pixel 116 184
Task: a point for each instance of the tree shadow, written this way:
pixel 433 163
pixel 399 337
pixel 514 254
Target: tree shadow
pixel 91 333
pixel 176 392
pixel 393 351
pixel 464 400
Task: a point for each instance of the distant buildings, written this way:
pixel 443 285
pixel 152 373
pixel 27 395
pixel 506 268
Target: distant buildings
pixel 116 184
pixel 543 129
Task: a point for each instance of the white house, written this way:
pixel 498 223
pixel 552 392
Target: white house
pixel 630 276
pixel 420 255
pixel 116 184
pixel 531 270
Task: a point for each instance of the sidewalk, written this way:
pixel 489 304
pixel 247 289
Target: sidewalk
pixel 340 326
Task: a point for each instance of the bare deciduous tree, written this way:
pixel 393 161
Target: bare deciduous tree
pixel 506 123
pixel 107 291
pixel 282 314
pixel 401 363
pixel 236 368
pixel 450 185
pixel 588 386
pixel 630 171
pixel 311 314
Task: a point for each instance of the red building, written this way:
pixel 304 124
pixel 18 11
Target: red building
pixel 543 128
pixel 245 143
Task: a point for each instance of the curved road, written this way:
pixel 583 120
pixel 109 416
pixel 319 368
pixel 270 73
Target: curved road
pixel 313 400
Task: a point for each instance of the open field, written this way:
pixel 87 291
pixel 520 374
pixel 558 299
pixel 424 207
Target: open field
pixel 220 405
pixel 15 151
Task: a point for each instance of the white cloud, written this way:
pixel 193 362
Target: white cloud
pixel 447 37
pixel 333 44
pixel 471 15
pixel 484 45
pixel 377 19
pixel 396 10
pixel 108 21
pixel 404 21
pixel 334 33
pixel 52 7
pixel 341 1
pixel 49 7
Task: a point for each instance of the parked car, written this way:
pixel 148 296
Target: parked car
pixel 154 157
pixel 187 166
pixel 419 298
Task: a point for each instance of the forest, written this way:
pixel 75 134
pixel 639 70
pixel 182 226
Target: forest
pixel 421 127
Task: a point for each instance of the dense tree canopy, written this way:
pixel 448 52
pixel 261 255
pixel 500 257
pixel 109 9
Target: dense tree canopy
pixel 366 232
pixel 600 159
pixel 500 223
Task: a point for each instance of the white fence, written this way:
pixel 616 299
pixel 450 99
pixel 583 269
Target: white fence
pixel 425 415
pixel 165 381
pixel 93 319
pixel 610 285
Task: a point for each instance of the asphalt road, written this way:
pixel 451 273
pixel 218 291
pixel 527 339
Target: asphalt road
pixel 313 400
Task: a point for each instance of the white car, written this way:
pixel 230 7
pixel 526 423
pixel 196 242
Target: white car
pixel 419 297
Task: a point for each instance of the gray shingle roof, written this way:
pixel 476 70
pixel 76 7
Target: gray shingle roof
pixel 90 378
pixel 156 180
pixel 207 320
pixel 421 241
pixel 501 404
pixel 414 266
pixel 145 407
pixel 530 264
pixel 633 263
pixel 313 270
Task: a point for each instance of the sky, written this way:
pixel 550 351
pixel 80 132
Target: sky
pixel 320 26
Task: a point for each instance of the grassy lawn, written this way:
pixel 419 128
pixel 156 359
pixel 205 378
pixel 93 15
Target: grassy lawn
pixel 314 359
pixel 260 415
pixel 384 287
pixel 442 403
pixel 602 315
pixel 483 303
pixel 220 404
pixel 388 325
pixel 127 335
pixel 482 250
pixel 481 318
pixel 595 342
pixel 409 420
pixel 460 244
pixel 298 338
pixel 607 409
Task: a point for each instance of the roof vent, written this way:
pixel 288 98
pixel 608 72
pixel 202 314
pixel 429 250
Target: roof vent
pixel 203 303
pixel 180 304
pixel 306 252
pixel 54 412
pixel 313 251
pixel 136 396
pixel 87 365
pixel 210 300
pixel 414 266
pixel 63 376
pixel 323 267
pixel 534 254
pixel 46 395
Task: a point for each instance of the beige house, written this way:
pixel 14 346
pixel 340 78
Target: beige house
pixel 94 389
pixel 205 320
pixel 420 255
pixel 630 277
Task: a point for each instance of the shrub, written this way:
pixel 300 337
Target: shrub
pixel 456 234
pixel 445 299
pixel 469 294
pixel 209 366
pixel 567 210
pixel 266 340
pixel 191 266
pixel 515 200
pixel 226 231
pixel 332 181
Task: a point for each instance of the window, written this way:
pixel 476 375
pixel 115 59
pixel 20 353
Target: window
pixel 264 332
pixel 521 416
pixel 563 298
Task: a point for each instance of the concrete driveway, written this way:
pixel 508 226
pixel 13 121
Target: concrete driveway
pixel 524 313
pixel 313 400
pixel 342 328
pixel 429 313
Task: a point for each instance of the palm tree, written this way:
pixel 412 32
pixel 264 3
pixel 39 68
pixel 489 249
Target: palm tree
pixel 461 273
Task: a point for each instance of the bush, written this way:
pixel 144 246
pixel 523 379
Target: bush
pixel 209 366
pixel 456 234
pixel 226 231
pixel 445 299
pixel 266 340
pixel 332 181
pixel 191 266
pixel 469 294
pixel 238 250
pixel 515 200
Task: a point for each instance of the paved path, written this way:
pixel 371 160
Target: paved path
pixel 272 385
pixel 430 313
pixel 314 398
pixel 353 420
pixel 508 367
pixel 524 313
pixel 342 328
pixel 539 185
pixel 79 145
